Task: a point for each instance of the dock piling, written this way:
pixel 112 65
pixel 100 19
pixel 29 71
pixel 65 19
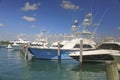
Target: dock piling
pixel 81 51
pixel 112 70
pixel 59 55
pixel 26 51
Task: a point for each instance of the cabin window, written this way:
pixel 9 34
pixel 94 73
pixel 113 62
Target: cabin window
pixel 36 45
pixel 109 46
pixel 61 46
pixel 84 46
pixel 57 46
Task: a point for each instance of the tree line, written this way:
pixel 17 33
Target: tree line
pixel 4 42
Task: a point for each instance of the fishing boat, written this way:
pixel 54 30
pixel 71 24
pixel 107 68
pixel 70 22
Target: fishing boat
pixel 107 51
pixel 51 52
pixel 18 43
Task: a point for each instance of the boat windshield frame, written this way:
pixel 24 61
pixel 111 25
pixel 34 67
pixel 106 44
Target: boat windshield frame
pixel 109 46
pixel 84 46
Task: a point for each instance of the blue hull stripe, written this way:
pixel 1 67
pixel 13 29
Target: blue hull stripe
pixel 49 53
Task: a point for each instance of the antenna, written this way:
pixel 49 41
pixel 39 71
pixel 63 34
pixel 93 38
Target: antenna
pixel 99 22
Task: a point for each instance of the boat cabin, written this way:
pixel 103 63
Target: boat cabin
pixel 111 46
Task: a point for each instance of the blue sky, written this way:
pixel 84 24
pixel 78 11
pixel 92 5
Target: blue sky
pixel 28 17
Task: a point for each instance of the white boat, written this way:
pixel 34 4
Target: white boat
pixel 105 51
pixel 21 41
pixel 9 46
pixel 18 43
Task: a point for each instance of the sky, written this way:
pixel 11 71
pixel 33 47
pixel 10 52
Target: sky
pixel 30 17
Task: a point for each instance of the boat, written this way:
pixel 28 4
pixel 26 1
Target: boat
pixel 21 41
pixel 9 46
pixel 68 46
pixel 107 51
pixel 18 43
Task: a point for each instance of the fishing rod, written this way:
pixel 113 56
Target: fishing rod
pixel 99 23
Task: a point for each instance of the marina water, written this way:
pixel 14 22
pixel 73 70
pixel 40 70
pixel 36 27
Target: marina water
pixel 14 66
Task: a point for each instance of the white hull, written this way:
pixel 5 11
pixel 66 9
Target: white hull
pixel 97 55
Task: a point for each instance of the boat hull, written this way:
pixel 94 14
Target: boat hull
pixel 99 58
pixel 49 53
pixel 97 55
pixel 103 57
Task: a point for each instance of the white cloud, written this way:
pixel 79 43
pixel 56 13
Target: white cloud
pixel 69 5
pixel 1 25
pixel 28 7
pixel 28 18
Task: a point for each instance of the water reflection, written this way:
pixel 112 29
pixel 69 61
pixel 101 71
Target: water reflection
pixel 68 69
pixel 42 65
pixel 71 70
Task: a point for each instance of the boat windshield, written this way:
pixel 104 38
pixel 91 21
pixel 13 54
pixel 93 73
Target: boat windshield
pixel 84 46
pixel 109 46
